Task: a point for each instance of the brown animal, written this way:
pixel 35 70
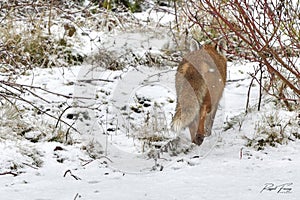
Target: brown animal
pixel 200 81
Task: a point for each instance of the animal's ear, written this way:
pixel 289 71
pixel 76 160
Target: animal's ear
pixel 221 47
pixel 194 45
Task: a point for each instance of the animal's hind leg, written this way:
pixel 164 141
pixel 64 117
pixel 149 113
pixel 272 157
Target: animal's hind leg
pixel 200 134
pixel 193 128
pixel 210 121
pixel 205 108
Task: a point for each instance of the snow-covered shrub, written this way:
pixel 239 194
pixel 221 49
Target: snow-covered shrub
pixel 28 39
pixel 273 129
pixel 132 5
pixel 114 60
pixel 26 124
pixel 261 31
pixel 148 122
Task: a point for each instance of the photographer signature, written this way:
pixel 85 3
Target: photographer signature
pixel 282 188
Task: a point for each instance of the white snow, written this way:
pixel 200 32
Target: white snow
pixel 218 172
pixel 223 167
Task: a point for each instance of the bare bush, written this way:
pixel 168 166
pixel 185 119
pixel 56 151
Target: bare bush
pixel 26 36
pixel 263 31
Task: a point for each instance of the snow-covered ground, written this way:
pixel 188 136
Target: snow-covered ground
pixel 223 167
pixel 123 147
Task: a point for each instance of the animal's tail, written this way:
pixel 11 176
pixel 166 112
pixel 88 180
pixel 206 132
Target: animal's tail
pixel 187 109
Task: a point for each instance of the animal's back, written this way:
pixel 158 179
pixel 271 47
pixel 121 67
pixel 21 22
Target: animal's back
pixel 200 81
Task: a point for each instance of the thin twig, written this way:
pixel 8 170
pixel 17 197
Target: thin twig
pixel 77 196
pixel 8 173
pixel 33 167
pixel 69 171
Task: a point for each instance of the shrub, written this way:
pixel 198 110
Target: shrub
pixel 261 31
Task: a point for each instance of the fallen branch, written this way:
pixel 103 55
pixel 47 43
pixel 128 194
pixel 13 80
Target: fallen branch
pixel 8 173
pixel 69 171
pixel 77 196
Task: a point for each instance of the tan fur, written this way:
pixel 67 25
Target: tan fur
pixel 200 81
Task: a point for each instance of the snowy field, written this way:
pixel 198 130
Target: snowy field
pixel 223 167
pixel 123 147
